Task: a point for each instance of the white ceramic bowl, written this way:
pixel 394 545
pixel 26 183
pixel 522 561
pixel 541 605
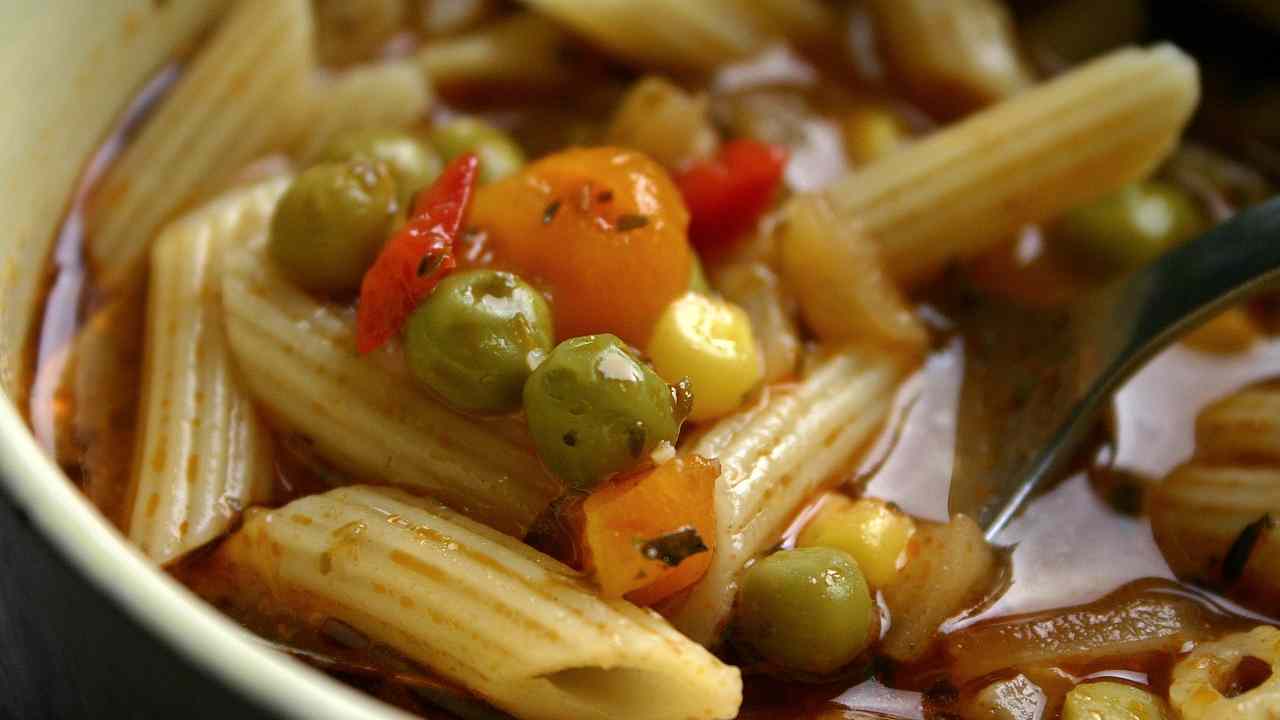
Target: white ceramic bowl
pixel 67 68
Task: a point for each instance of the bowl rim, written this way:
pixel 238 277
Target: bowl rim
pixel 209 640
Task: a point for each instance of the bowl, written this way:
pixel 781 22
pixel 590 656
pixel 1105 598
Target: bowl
pixel 89 628
pixel 79 607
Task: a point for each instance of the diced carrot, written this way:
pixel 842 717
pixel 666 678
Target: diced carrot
pixel 651 534
pixel 603 230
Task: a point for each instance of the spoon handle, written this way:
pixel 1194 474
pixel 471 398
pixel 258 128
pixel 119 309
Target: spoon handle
pixel 1124 324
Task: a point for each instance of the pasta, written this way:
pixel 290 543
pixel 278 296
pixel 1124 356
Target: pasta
pixel 390 94
pixel 480 608
pixel 1201 681
pixel 298 359
pixel 240 98
pixel 773 457
pixel 1213 517
pixel 1071 140
pixel 202 453
pixel 694 35
pixel 519 51
pixel 957 55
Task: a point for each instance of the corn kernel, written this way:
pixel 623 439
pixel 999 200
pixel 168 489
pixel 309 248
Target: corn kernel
pixel 1111 701
pixel 870 133
pixel 868 529
pixel 709 341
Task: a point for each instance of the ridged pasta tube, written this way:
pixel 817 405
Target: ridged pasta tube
pixel 692 35
pixel 390 94
pixel 520 51
pixel 202 453
pixel 244 95
pixel 1215 518
pixel 1198 680
pixel 1024 161
pixel 772 459
pixel 482 609
pixel 366 414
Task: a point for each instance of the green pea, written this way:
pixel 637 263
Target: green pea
pixel 499 155
pixel 1129 228
pixel 594 410
pixel 413 163
pixel 477 337
pixel 805 611
pixel 332 222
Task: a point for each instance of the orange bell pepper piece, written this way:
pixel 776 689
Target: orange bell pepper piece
pixel 649 535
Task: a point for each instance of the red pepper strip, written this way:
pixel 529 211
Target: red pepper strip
pixel 417 257
pixel 727 194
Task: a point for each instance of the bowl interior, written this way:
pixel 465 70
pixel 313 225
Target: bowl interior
pixel 69 69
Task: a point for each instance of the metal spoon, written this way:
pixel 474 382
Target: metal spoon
pixel 1103 338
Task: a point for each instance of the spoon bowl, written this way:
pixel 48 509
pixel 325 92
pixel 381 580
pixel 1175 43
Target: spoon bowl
pixel 1102 339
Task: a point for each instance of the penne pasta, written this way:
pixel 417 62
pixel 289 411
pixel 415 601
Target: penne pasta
pixel 773 457
pixel 1215 518
pixel 692 35
pixel 242 97
pixel 202 454
pixel 480 608
pixel 516 52
pixel 956 55
pixel 365 414
pixel 1243 425
pixel 1069 141
pixel 389 94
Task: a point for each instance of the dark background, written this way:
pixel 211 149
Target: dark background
pixel 67 651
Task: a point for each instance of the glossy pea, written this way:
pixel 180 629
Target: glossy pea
pixel 594 409
pixel 413 163
pixel 1130 227
pixel 477 337
pixel 332 222
pixel 806 611
pixel 499 155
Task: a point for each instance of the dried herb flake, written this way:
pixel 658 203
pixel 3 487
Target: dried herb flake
pixel 631 221
pixel 1238 556
pixel 672 549
pixel 430 263
pixel 550 213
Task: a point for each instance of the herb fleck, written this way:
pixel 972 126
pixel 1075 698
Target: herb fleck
pixel 1238 556
pixel 682 398
pixel 631 221
pixel 671 549
pixel 635 438
pixel 570 438
pixel 550 213
pixel 430 263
